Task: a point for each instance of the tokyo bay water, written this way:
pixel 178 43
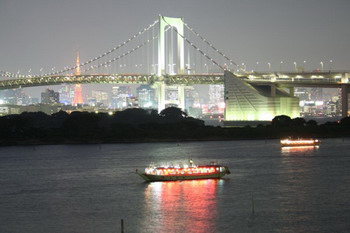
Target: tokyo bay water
pixel 90 188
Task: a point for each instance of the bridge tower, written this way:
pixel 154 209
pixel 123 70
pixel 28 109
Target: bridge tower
pixel 78 97
pixel 178 24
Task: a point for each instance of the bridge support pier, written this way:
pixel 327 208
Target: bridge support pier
pixel 345 78
pixel 160 91
pixel 344 100
pixel 291 91
pixel 273 90
pixel 181 97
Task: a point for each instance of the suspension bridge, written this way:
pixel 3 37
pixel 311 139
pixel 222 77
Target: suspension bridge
pixel 170 54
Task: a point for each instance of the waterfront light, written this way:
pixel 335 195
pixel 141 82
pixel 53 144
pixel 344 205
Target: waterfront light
pixel 281 63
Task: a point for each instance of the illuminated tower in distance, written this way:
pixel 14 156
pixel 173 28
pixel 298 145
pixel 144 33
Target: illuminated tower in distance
pixel 78 96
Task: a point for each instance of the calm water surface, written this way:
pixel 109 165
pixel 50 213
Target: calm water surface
pixel 89 188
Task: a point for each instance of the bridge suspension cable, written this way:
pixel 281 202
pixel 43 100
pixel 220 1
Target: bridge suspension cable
pixel 210 44
pixel 194 46
pixel 13 75
pixel 142 45
pixel 117 58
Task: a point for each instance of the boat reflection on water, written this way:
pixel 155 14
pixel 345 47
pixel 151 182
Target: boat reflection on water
pixel 291 149
pixel 185 206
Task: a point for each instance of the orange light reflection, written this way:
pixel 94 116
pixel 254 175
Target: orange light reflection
pixel 289 149
pixel 181 206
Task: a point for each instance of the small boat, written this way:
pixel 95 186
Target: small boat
pixel 299 142
pixel 191 172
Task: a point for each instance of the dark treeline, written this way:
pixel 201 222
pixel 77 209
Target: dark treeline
pixel 138 125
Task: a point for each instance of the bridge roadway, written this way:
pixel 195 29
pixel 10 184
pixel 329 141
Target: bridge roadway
pixel 111 78
pixel 305 79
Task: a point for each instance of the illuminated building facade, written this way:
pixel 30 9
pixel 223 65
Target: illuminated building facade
pixel 216 99
pixel 120 97
pixel 66 94
pixel 245 102
pixel 100 98
pixel 14 96
pixel 146 96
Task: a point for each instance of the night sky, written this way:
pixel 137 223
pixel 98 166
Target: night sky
pixel 47 33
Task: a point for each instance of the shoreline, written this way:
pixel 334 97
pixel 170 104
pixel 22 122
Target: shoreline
pixel 129 141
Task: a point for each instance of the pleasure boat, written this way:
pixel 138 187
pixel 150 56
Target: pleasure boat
pixel 191 172
pixel 299 142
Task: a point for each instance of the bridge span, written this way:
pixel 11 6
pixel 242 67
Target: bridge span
pixel 169 47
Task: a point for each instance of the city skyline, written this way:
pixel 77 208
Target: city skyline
pixel 140 62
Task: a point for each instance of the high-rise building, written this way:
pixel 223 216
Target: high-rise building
pixel 216 94
pixel 146 96
pixel 190 97
pixel 66 94
pixel 216 98
pixel 120 96
pixel 317 94
pixel 101 97
pixel 14 96
pixel 302 93
pixel 50 97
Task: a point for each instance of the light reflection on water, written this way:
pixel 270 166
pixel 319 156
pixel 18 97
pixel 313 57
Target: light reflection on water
pixel 88 189
pixel 188 206
pixel 293 149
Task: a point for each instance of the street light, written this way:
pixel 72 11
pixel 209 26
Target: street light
pixel 257 64
pixel 269 66
pixel 330 65
pixel 206 67
pixel 281 66
pixel 304 66
pixel 295 66
pixel 321 66
pixel 244 67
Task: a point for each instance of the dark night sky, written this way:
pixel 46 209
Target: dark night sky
pixel 47 33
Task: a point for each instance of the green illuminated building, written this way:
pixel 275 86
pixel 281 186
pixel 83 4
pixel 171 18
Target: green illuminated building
pixel 247 102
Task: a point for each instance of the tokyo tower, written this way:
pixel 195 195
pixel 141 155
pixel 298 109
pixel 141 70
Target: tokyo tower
pixel 78 96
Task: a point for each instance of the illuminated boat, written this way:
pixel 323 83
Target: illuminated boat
pixel 299 142
pixel 192 172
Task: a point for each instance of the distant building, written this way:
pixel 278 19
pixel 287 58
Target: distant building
pixel 317 94
pixel 133 102
pixel 9 109
pixel 302 93
pixel 120 97
pixel 216 98
pixel 191 96
pixel 100 97
pixel 14 96
pixel 66 94
pixel 50 97
pixel 34 100
pixel 216 93
pixel 146 96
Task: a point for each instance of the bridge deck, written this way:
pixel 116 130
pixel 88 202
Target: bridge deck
pixel 311 79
